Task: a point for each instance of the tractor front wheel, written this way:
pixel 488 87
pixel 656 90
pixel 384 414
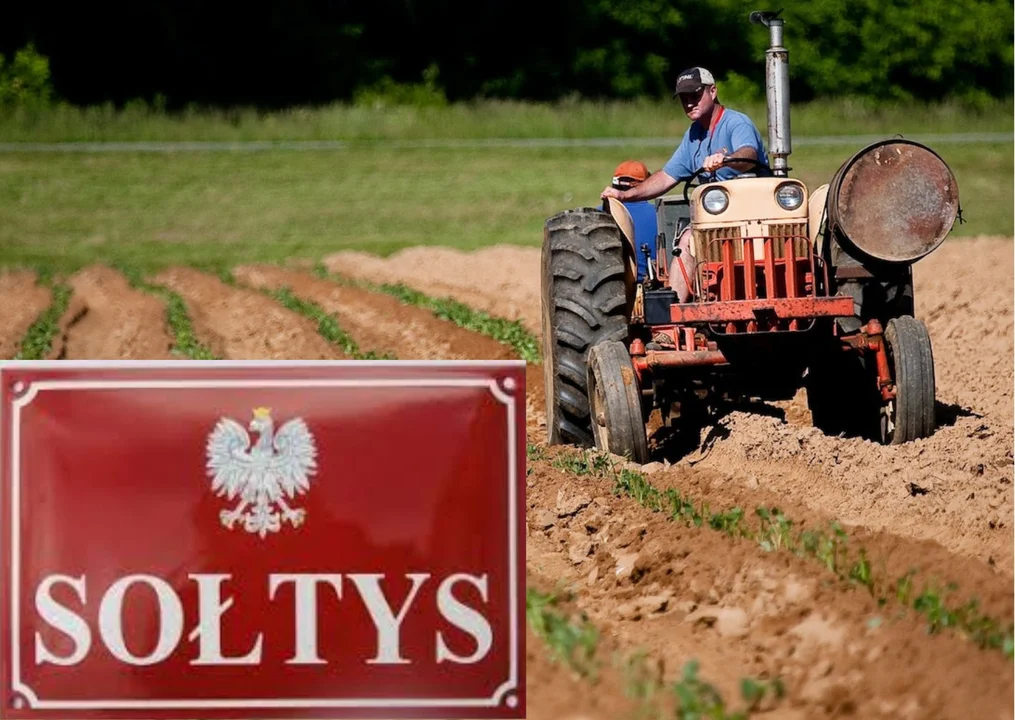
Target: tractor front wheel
pixel 910 414
pixel 615 400
pixel 584 300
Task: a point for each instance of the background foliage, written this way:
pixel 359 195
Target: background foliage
pixel 428 52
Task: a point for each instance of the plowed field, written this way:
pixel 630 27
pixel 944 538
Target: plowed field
pixel 675 590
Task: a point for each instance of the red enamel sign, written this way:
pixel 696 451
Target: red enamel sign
pixel 262 540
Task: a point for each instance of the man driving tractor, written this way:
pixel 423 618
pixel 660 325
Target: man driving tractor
pixel 717 137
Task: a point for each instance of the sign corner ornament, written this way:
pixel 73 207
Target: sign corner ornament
pixel 257 540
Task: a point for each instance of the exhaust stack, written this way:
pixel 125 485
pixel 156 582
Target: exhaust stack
pixel 777 92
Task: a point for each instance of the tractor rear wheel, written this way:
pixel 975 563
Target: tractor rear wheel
pixel 910 415
pixel 584 300
pixel 615 399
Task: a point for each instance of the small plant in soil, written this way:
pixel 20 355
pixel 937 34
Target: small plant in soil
pixel 38 340
pixel 572 642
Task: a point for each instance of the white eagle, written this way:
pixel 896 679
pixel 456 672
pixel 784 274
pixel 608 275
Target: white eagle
pixel 279 465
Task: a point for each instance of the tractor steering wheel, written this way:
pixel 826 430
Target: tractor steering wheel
pixel 701 171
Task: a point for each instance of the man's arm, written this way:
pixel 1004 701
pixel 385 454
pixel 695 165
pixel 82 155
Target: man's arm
pixel 656 184
pixel 715 161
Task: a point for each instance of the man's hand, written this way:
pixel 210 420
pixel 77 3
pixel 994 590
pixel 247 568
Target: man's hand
pixel 714 162
pixel 612 192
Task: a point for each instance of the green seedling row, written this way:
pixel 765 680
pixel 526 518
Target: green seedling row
pixel 38 340
pixel 327 325
pixel 185 342
pixel 828 546
pixel 574 642
pixel 507 332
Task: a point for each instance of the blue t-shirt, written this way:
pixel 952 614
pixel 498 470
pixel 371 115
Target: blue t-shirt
pixel 734 131
pixel 643 215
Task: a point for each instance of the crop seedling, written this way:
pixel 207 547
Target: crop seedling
pixel 38 340
pixel 573 643
pixel 327 325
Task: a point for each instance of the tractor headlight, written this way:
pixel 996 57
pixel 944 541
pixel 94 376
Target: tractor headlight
pixel 715 200
pixel 789 196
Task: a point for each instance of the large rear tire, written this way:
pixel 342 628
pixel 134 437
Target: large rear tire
pixel 910 415
pixel 584 302
pixel 615 400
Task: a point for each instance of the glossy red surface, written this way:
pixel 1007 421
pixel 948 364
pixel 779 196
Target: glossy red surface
pixel 420 470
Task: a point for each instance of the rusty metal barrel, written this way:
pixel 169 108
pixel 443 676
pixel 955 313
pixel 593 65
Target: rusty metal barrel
pixel 894 201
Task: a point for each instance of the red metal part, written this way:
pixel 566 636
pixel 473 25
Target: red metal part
pixel 689 339
pixel 727 291
pixel 790 269
pixel 750 280
pixel 871 339
pixel 681 358
pixel 741 310
pixel 683 272
pixel 769 268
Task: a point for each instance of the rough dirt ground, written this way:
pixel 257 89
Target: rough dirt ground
pixel 22 302
pixel 108 319
pixel 678 593
pixel 242 324
pixel 496 279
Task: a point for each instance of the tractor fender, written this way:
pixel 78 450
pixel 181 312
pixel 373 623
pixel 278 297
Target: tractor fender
pixel 622 217
pixel 816 213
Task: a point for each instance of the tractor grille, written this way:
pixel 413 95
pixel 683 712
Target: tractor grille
pixel 708 245
pixel 779 231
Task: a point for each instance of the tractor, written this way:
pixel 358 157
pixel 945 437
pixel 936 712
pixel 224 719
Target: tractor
pixel 791 289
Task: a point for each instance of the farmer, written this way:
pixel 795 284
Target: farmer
pixel 716 138
pixel 629 174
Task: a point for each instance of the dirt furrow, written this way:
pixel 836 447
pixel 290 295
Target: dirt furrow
pixel 383 324
pixel 682 592
pixel 108 319
pixel 379 322
pixel 241 324
pixel 499 280
pixel 23 301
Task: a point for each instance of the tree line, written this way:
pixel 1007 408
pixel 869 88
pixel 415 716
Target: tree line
pixel 302 53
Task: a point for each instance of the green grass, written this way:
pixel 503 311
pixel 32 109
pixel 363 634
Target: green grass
pixel 490 119
pixel 829 546
pixel 38 340
pixel 62 211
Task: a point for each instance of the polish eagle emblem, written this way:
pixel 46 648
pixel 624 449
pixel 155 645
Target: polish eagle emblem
pixel 264 478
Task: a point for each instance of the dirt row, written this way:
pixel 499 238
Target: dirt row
pixel 24 300
pixel 652 585
pixel 955 487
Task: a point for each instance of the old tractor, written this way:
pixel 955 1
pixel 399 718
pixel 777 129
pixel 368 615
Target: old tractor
pixel 791 289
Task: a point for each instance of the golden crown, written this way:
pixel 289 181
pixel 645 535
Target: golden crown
pixel 262 412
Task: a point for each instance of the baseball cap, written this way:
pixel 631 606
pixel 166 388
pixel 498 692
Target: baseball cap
pixel 693 80
pixel 630 172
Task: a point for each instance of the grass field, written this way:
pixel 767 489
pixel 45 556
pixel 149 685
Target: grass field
pixel 577 119
pixel 59 211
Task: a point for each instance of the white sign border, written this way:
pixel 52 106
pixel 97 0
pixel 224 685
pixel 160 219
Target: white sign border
pixel 503 394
